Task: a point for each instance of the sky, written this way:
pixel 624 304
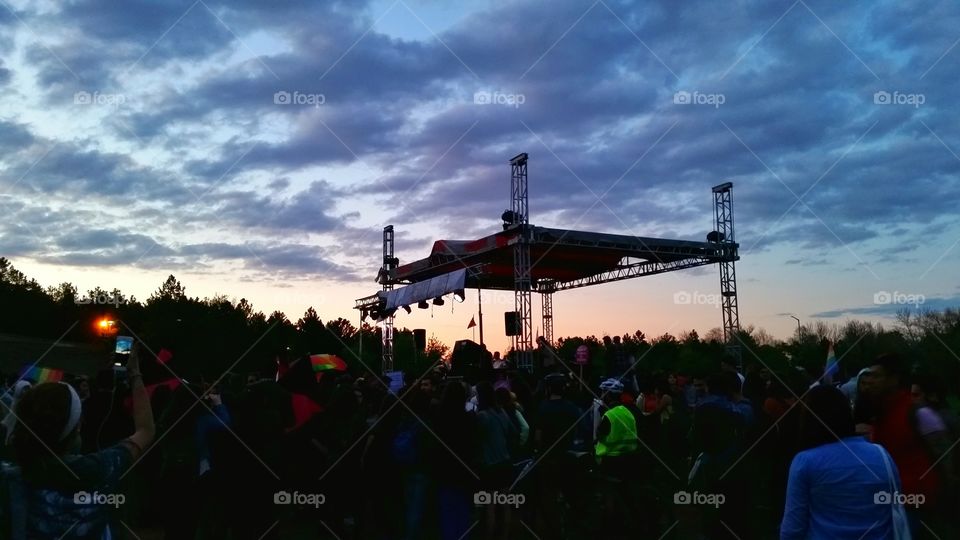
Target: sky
pixel 257 149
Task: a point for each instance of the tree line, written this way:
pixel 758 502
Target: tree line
pixel 208 336
pixel 212 335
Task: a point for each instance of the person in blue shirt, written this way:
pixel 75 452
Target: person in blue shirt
pixel 838 486
pixel 53 491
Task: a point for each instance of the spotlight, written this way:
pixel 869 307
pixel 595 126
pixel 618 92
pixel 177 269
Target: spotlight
pixel 459 295
pixel 715 236
pixel 510 217
pixel 438 301
pixel 407 309
pixel 423 304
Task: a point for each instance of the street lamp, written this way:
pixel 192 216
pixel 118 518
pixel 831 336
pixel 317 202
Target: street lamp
pixel 799 331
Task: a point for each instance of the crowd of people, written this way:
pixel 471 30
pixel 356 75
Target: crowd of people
pixel 482 453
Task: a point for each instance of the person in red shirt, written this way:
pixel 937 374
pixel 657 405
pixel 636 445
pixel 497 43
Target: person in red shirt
pixel 915 437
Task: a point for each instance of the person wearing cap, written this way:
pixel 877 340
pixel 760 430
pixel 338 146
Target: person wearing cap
pixel 52 491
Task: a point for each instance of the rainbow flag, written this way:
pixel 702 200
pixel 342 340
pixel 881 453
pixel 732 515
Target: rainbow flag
pixel 326 362
pixel 41 375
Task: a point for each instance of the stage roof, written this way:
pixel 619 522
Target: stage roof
pixel 561 258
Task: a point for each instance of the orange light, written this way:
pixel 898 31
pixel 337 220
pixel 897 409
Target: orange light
pixel 106 326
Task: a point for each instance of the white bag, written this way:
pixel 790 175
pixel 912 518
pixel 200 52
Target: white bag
pixel 899 523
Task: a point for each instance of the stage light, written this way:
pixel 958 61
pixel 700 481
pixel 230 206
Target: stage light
pixel 715 236
pixel 423 304
pixel 459 295
pixel 407 309
pixel 438 301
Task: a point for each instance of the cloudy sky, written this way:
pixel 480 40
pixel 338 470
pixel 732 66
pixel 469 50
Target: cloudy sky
pixel 256 149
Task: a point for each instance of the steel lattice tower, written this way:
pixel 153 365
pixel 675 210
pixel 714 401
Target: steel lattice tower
pixel 520 218
pixel 546 289
pixel 389 264
pixel 723 221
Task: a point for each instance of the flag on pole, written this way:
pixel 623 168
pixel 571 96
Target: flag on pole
pixel 471 324
pixel 832 366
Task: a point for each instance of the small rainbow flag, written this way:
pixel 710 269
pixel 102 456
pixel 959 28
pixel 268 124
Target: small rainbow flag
pixel 41 374
pixel 326 362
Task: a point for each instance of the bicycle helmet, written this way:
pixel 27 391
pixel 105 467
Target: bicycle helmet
pixel 612 386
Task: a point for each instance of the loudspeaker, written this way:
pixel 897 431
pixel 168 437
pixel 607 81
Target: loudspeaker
pixel 420 338
pixel 469 359
pixel 511 321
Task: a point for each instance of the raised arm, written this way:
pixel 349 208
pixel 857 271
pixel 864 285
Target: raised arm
pixel 144 429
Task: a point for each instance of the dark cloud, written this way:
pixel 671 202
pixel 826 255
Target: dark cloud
pixel 308 210
pixel 14 137
pixel 901 301
pixel 798 120
pixel 77 237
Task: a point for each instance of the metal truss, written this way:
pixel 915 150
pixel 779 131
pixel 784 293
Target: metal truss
pixel 520 218
pixel 723 221
pixel 387 270
pixel 546 295
pixel 634 270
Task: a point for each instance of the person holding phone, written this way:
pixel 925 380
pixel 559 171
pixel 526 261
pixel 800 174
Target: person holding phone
pixel 53 491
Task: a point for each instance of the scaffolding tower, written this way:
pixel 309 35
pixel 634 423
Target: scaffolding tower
pixel 546 288
pixel 519 217
pixel 723 221
pixel 387 270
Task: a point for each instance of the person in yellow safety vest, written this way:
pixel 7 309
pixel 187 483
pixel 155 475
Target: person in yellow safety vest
pixel 616 450
pixel 617 432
